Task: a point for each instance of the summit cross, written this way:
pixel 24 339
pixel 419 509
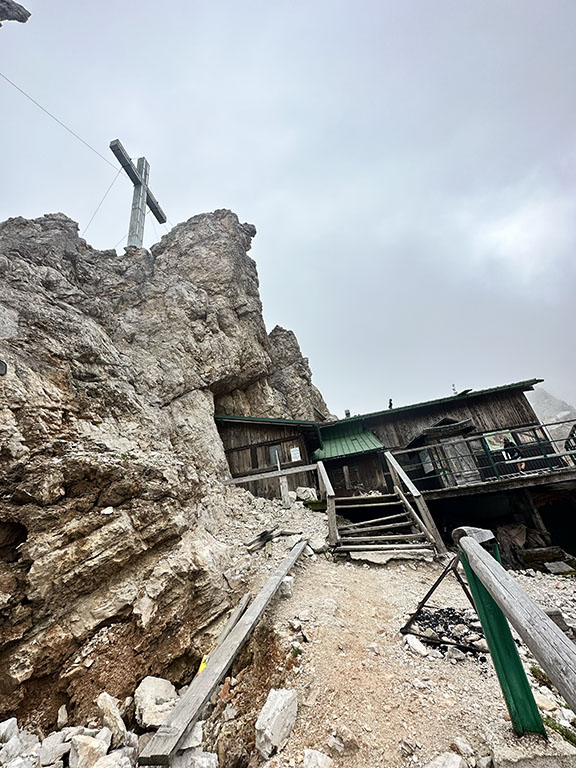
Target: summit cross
pixel 142 196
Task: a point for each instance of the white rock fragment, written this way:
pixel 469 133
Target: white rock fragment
pixel 115 759
pixel 315 759
pixel 455 654
pixel 154 699
pixel 62 717
pixel 415 645
pixel 276 720
pixel 8 729
pixel 85 751
pixel 543 702
pixel 462 746
pixel 448 760
pixel 306 494
pixel 194 758
pixel 287 586
pixel 194 737
pixel 53 748
pixel 11 749
pixel 111 718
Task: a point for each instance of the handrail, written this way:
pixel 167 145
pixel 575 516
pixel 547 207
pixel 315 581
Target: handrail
pixel 553 650
pixel 399 476
pixel 326 485
pixel 324 479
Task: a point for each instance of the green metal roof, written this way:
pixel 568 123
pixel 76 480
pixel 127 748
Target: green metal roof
pixel 465 395
pixel 344 441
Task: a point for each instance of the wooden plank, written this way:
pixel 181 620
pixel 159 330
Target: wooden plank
pixel 414 516
pixel 374 528
pixel 364 506
pixel 375 499
pixel 376 539
pixel 286 503
pixel 401 516
pixel 234 618
pixel 268 475
pixel 324 479
pixel 397 470
pixel 386 548
pixel 555 653
pixel 166 740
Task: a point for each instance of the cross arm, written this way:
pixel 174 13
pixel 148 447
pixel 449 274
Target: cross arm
pixel 124 159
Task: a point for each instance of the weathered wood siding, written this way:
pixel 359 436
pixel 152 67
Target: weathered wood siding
pixel 488 412
pixel 364 471
pixel 249 448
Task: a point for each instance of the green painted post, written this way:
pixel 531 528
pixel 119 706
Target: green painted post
pixel 513 681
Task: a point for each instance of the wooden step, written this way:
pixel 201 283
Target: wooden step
pixel 376 528
pixel 371 506
pixel 377 539
pixel 385 548
pixel 363 499
pixel 402 516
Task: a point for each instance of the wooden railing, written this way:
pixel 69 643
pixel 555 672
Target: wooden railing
pixel 484 457
pixel 327 492
pixel 553 650
pixel 401 480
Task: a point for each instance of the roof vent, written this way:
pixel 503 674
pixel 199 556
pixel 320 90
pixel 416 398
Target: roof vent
pixel 347 413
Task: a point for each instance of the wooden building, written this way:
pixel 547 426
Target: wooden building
pixel 256 446
pixel 479 457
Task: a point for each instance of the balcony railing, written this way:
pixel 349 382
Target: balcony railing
pixel 504 454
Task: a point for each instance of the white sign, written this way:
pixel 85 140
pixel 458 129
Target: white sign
pixel 295 454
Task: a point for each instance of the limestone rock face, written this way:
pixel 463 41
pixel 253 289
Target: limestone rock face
pixel 108 448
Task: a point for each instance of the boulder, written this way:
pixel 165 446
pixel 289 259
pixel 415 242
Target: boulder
pixel 62 717
pixel 11 749
pixel 111 718
pixel 276 721
pixel 53 748
pixel 85 751
pixel 306 494
pixel 154 699
pixel 8 729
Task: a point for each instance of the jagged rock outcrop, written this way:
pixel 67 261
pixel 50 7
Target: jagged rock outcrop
pixel 109 454
pixel 11 11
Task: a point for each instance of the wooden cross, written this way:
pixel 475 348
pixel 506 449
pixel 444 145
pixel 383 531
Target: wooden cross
pixel 142 196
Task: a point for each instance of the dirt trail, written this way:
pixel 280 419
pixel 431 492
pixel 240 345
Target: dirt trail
pixel 383 693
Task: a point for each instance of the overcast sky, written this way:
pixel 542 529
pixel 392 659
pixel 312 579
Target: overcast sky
pixel 409 166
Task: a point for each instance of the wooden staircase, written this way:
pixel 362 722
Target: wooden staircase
pixel 386 523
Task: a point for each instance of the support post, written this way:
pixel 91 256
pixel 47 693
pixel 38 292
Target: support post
pixel 284 495
pixel 518 695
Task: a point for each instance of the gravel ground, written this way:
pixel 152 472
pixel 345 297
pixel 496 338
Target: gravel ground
pixel 356 671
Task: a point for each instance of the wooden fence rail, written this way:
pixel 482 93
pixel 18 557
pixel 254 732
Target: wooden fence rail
pixel 553 650
pixel 399 478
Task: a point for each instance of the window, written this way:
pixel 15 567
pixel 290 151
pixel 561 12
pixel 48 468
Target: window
pixel 275 454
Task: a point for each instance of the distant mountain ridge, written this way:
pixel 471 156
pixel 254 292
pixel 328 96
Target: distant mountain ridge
pixel 552 410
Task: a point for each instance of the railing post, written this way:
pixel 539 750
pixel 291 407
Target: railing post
pixel 513 681
pixel 324 482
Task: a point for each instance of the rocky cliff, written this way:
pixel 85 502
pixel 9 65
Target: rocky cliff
pixel 109 456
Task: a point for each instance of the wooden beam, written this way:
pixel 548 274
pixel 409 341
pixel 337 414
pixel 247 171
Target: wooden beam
pixel 555 653
pixel 363 506
pixel 396 537
pixel 372 529
pixel 165 741
pixel 269 475
pixel 362 526
pixel 398 471
pixel 385 547
pixel 324 483
pixel 234 617
pixel 414 516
